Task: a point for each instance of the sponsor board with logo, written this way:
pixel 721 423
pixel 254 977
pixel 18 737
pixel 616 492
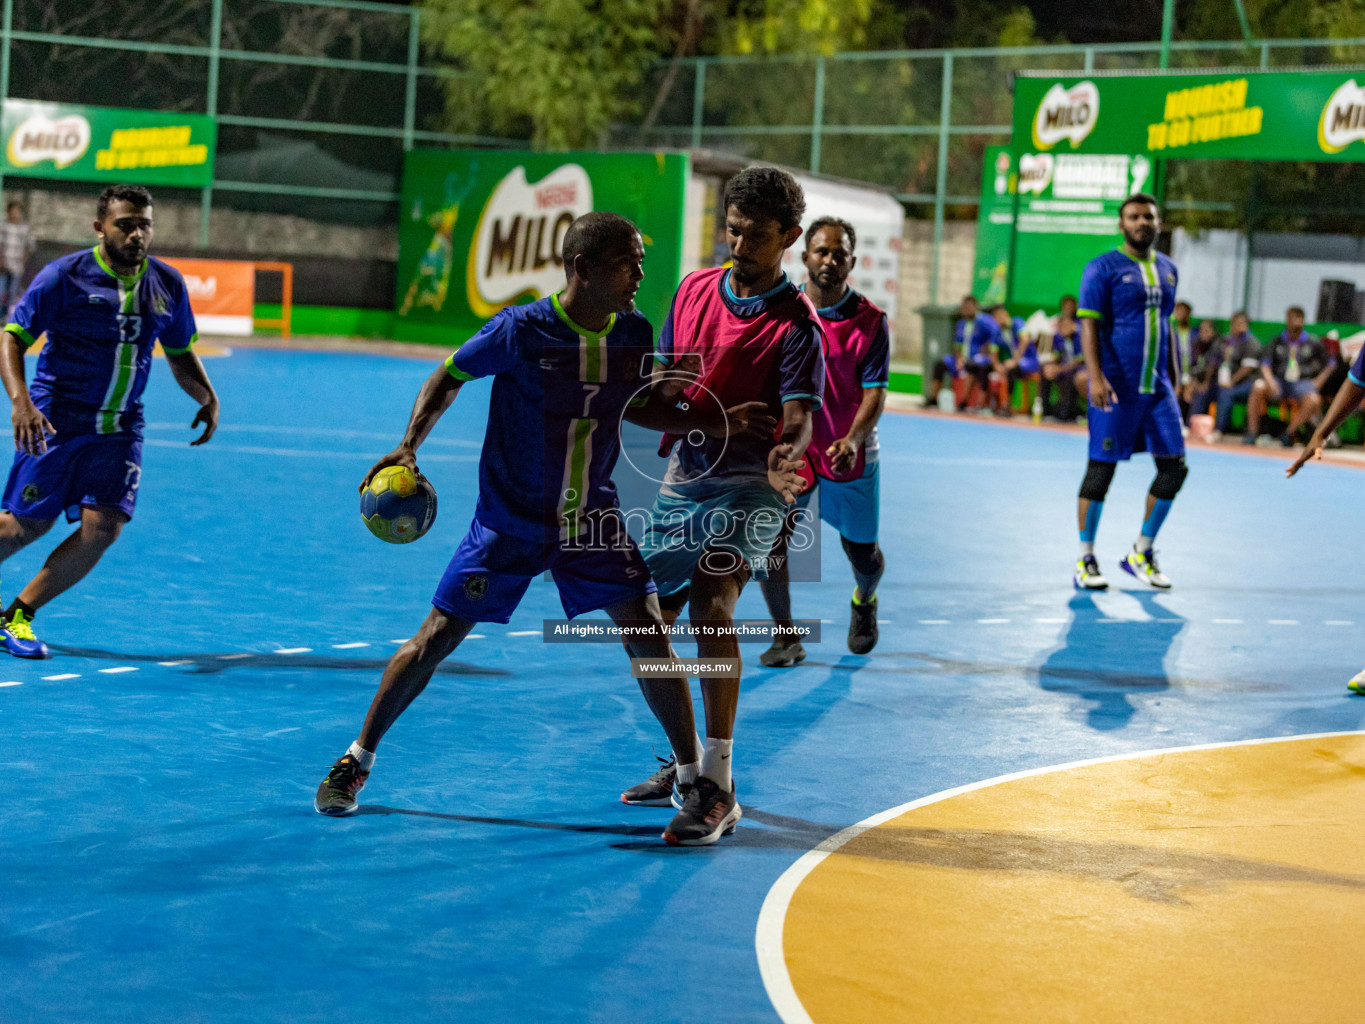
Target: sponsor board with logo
pixel 483 230
pixel 222 293
pixel 1066 214
pixel 1245 115
pixel 145 147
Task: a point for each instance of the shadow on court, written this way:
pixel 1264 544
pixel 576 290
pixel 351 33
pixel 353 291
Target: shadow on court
pixel 1105 661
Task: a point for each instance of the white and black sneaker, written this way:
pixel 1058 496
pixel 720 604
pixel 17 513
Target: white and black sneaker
pixel 655 791
pixel 1088 576
pixel 1142 566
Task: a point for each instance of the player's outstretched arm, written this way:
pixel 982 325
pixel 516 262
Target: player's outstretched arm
pixel 31 427
pixel 194 381
pixel 796 425
pixel 433 400
pixel 1347 401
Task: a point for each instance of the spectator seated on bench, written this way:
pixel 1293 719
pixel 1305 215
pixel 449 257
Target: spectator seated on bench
pixel 1236 372
pixel 1293 368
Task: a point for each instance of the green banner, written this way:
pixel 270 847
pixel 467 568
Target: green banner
pixel 1247 115
pixel 481 230
pixel 994 226
pixel 141 147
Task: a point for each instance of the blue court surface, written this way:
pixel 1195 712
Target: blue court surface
pixel 160 859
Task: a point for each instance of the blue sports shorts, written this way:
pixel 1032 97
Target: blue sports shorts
pixel 850 507
pixel 1137 423
pixel 81 470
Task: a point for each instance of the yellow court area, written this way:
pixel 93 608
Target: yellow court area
pixel 1222 883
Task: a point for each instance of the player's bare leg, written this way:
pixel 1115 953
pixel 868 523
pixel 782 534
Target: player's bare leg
pixel 405 676
pixel 786 649
pixel 73 558
pixel 18 532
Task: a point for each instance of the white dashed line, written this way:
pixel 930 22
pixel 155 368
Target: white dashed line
pixel 348 647
pixel 64 675
pixel 294 650
pixel 16 682
pixel 173 664
pixel 1169 621
pixel 1227 622
pixel 119 668
pixel 992 622
pixel 403 641
pixel 1283 622
pixel 525 632
pixel 233 657
pixel 934 622
pixel 280 732
pixel 1050 622
pixel 477 636
pixel 1338 622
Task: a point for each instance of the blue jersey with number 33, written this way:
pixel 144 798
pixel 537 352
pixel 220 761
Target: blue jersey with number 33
pixel 100 329
pixel 1131 302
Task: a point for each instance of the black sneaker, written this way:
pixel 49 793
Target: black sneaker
pixel 706 815
pixel 862 627
pixel 336 795
pixel 784 653
pixel 655 791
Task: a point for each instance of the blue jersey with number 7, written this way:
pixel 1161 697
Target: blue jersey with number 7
pixel 101 329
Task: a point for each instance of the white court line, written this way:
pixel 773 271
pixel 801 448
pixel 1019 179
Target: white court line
pixel 173 664
pixel 934 622
pixel 15 682
pixel 1050 622
pixel 525 632
pixel 1283 622
pixel 1169 620
pixel 1227 622
pixel 349 647
pixel 233 657
pixel 992 622
pixel 1118 620
pixel 772 961
pixel 403 641
pixel 64 675
pixel 477 636
pixel 294 650
pixel 119 668
pixel 280 732
pixel 1338 622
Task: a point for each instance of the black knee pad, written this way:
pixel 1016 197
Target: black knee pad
pixel 1170 475
pixel 866 559
pixel 1098 477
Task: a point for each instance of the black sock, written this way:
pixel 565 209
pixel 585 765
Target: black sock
pixel 17 605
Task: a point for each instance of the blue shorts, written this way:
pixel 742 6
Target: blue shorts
pixel 490 572
pixel 732 525
pixel 1295 390
pixel 850 507
pixel 1137 423
pixel 82 470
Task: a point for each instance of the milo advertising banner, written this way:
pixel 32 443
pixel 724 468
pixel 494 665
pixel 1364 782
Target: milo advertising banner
pixel 484 229
pixel 142 147
pixel 1067 209
pixel 1247 115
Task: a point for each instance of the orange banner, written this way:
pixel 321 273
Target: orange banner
pixel 222 294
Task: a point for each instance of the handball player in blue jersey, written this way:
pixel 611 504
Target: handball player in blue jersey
pixel 565 370
pixel 78 427
pixel 1127 296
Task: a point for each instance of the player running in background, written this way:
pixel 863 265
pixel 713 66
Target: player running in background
pixel 843 450
pixel 78 430
pixel 565 369
pixel 1126 300
pixel 713 525
pixel 1347 401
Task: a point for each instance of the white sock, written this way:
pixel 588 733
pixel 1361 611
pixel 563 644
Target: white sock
pixel 715 762
pixel 365 757
pixel 687 773
pixel 1087 548
pixel 1143 544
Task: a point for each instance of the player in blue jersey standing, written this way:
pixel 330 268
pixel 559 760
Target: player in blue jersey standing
pixel 78 428
pixel 1127 296
pixel 565 369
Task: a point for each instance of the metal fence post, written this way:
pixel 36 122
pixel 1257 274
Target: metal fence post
pixel 698 102
pixel 410 97
pixel 5 29
pixel 817 114
pixel 215 48
pixel 941 185
pixel 1090 58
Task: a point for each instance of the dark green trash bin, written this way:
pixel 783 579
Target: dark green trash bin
pixel 939 322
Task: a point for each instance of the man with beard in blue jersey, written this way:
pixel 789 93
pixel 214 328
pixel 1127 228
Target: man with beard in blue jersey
pixel 565 370
pixel 1127 296
pixel 78 428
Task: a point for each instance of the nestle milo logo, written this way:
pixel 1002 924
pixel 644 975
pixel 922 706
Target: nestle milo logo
pixel 1343 118
pixel 62 140
pixel 519 238
pixel 1066 114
